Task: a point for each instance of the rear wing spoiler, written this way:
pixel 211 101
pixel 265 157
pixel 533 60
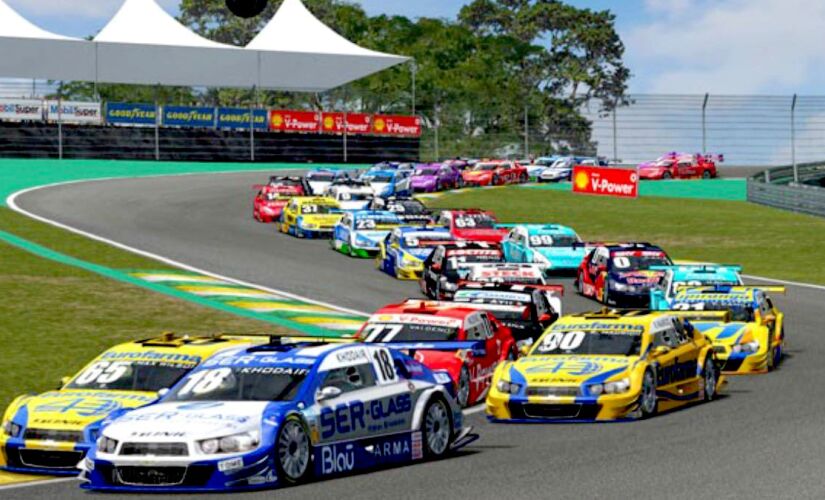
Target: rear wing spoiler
pixel 721 316
pixel 699 267
pixel 461 305
pixel 774 289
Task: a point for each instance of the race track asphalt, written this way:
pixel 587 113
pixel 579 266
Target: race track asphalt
pixel 764 439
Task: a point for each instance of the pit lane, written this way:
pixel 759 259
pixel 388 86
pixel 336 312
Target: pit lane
pixel 764 439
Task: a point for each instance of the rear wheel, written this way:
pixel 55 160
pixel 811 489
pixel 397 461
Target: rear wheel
pixel 710 379
pixel 524 178
pixel 706 174
pixel 293 451
pixel 462 393
pixel 667 176
pixel 580 284
pixel 437 429
pixel 495 181
pixel 648 402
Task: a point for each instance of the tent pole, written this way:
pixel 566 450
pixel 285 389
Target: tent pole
pixel 60 121
pixel 413 69
pixel 252 123
pixel 346 127
pixel 157 123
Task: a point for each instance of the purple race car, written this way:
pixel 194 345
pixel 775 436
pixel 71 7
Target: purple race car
pixel 435 177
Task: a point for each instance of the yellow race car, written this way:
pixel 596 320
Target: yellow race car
pixel 749 336
pixel 609 365
pixel 50 433
pixel 313 217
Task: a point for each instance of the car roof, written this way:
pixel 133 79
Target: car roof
pixel 315 200
pixel 181 348
pixel 306 355
pixel 423 308
pixel 534 229
pixel 630 321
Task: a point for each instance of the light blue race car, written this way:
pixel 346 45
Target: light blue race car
pixel 661 297
pixel 360 233
pixel 535 169
pixel 276 415
pixel 557 248
pixel 404 250
pixel 386 183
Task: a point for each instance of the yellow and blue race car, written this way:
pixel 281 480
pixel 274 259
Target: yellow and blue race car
pixel 404 250
pixel 609 365
pixel 310 217
pixel 752 336
pixel 50 433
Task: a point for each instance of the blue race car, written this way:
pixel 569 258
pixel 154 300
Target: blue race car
pixel 386 183
pixel 276 415
pixel 404 250
pixel 535 169
pixel 321 179
pixel 557 248
pixel 661 297
pixel 360 233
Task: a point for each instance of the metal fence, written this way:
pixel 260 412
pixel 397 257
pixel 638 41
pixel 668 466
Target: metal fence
pixel 798 189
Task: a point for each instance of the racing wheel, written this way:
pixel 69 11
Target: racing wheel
pixel 246 8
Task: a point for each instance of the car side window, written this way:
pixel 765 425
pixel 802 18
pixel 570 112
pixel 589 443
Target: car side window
pixel 667 337
pixel 350 378
pixel 487 327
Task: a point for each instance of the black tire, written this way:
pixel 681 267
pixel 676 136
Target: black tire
pixel 495 181
pixel 435 439
pixel 524 178
pixel 438 186
pixel 580 284
pixel 462 390
pixel 649 407
pixel 706 174
pixel 667 176
pixel 293 451
pixel 605 295
pixel 710 377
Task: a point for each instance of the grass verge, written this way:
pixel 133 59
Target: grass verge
pixel 766 241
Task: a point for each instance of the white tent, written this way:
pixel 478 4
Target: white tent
pixel 299 52
pixel 27 51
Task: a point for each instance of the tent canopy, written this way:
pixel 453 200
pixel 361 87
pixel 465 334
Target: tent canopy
pixel 143 44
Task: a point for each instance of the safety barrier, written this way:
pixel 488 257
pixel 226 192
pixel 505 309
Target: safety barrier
pixel 797 189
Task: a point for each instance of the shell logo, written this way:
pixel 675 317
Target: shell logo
pixel 582 179
pixel 380 124
pixel 329 123
pixel 277 120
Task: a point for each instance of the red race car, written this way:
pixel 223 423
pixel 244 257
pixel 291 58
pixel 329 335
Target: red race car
pixel 466 343
pixel 274 196
pixel 681 166
pixel 495 173
pixel 472 225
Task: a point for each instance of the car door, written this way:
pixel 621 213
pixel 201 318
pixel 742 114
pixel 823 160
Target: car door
pixel 402 184
pixel 478 328
pixel 676 355
pixel 342 231
pixel 684 169
pixel 510 246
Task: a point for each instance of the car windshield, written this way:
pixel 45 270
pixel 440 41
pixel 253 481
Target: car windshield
pixel 149 376
pixel 674 286
pixel 738 311
pixel 355 196
pixel 383 178
pixel 321 177
pixel 425 239
pixel 425 171
pixel 639 261
pixel 474 221
pixel 286 183
pixel 409 332
pixel 550 241
pixel 561 164
pixel 573 341
pixel 314 208
pixel 411 207
pixel 485 167
pixel 374 222
pixel 263 383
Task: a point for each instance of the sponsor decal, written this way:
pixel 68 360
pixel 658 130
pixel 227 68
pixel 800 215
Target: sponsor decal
pixel 337 459
pixel 397 125
pixel 119 113
pixel 417 448
pixel 417 319
pixel 84 407
pixel 601 327
pixel 21 109
pixel 186 116
pixel 167 357
pixel 230 465
pixel 390 449
pixel 357 123
pixel 676 372
pixel 618 182
pixel 238 118
pixel 294 121
pixel 574 367
pixel 74 112
pixel 356 416
pixel 158 434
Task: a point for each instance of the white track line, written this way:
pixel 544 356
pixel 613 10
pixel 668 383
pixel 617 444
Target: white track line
pixel 35 482
pixel 783 282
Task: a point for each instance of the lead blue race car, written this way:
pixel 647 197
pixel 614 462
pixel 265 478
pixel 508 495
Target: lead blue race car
pixel 552 246
pixel 276 415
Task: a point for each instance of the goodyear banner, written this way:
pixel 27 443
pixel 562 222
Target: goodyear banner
pixel 74 112
pixel 21 109
pixel 120 113
pixel 238 118
pixel 187 116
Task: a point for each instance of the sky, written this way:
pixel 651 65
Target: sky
pixel 757 47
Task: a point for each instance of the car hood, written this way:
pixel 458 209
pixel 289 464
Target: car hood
pixel 483 235
pixel 189 420
pixel 324 219
pixel 572 370
pixel 645 278
pixel 76 409
pixel 475 173
pixel 563 255
pixel 721 333
pixel 424 179
pixel 650 165
pixel 419 253
pixel 373 236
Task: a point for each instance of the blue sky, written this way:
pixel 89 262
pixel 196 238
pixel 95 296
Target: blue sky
pixel 673 46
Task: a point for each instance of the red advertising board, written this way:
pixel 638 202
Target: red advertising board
pixel 357 123
pixel 397 125
pixel 619 182
pixel 294 121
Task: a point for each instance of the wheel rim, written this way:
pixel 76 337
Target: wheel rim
pixel 293 450
pixel 463 395
pixel 706 175
pixel 648 395
pixel 710 380
pixel 581 284
pixel 437 425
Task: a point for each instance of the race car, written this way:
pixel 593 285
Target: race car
pixel 557 248
pixel 277 415
pixel 464 342
pixel 321 179
pixel 472 225
pixel 50 433
pixel 676 165
pixel 451 263
pixel 610 365
pixel 409 210
pixel 404 250
pixel 621 274
pixel 503 272
pixel 274 196
pixel 562 168
pixel 351 194
pixel 435 177
pixel 661 296
pixel 386 183
pixel 753 339
pixel 311 217
pixel 495 173
pixel 393 165
pixel 526 310
pixel 360 233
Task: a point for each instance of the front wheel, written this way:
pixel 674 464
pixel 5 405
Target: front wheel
pixel 293 451
pixel 462 393
pixel 437 429
pixel 495 181
pixel 710 380
pixel 706 174
pixel 648 401
pixel 580 284
pixel 667 176
pixel 523 179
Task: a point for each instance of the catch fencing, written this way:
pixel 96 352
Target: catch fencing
pixel 798 189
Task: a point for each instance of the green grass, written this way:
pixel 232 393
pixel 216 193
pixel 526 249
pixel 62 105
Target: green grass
pixel 766 241
pixel 55 318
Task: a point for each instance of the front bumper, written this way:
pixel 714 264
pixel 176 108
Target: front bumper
pixel 39 457
pixel 504 408
pixel 742 363
pixel 629 299
pixel 409 273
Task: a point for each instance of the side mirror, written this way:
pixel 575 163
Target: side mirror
pixel 545 318
pixel 328 392
pixel 64 381
pixel 525 349
pixel 661 350
pixel 163 392
pixel 436 267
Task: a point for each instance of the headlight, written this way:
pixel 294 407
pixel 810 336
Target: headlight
pixel 236 443
pixel 748 348
pixel 617 387
pixel 508 387
pixel 620 287
pixel 11 429
pixel 307 225
pixel 106 445
pixel 450 287
pixel 408 261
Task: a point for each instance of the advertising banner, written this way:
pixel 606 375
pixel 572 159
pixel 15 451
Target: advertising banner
pixel 188 116
pixel 294 121
pixel 602 181
pixel 21 109
pixel 238 118
pixel 397 125
pixel 357 123
pixel 121 113
pixel 74 112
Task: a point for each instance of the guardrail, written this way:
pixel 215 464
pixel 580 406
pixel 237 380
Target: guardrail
pixel 782 188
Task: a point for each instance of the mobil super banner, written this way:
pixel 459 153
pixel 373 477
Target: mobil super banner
pixel 238 118
pixel 21 109
pixel 186 116
pixel 604 181
pixel 74 112
pixel 121 113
